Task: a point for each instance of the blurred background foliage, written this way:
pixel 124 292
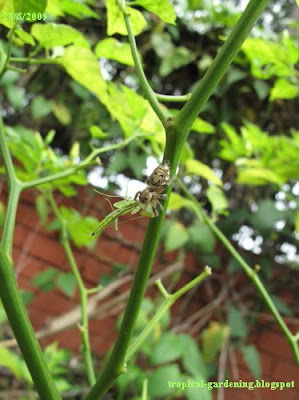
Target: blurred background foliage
pixel 242 156
pixel 249 132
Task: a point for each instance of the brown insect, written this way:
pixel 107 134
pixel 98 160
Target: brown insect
pixel 157 182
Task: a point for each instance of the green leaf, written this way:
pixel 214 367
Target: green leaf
pixel 6 7
pixel 283 89
pixel 176 201
pixel 40 107
pixel 198 168
pixel 167 349
pixel 16 96
pixel 202 236
pixel 25 36
pixel 31 7
pixel 96 132
pixel 176 236
pixel 45 280
pixel 163 8
pixel 67 283
pixel 114 50
pixel 257 176
pixel 42 208
pixel 236 323
pixel 15 364
pixel 201 126
pixel 84 69
pixel 252 359
pixel 81 230
pixel 27 296
pixel 268 58
pixel 192 359
pixel 50 35
pixel 75 8
pixel 217 198
pixel 157 380
pixel 175 59
pixel 116 23
pixel 199 392
pixel 62 113
pixel 212 339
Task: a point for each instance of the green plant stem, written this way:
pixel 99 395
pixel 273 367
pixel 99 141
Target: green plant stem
pixel 28 60
pixel 83 293
pixel 251 273
pixel 176 134
pixel 9 49
pixel 9 291
pixel 147 90
pixel 72 170
pixel 225 56
pixel 170 299
pixel 23 331
pixel 173 99
pixel 14 191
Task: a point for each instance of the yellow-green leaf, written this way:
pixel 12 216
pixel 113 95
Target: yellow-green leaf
pixel 163 8
pixel 198 168
pixel 202 126
pixel 116 23
pixel 176 201
pixel 82 65
pixel 283 89
pixel 51 35
pixel 114 50
pixel 212 339
pixel 62 113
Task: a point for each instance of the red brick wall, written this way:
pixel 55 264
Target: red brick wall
pixel 35 250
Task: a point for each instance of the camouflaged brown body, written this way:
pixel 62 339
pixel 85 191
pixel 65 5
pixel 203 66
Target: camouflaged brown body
pixel 160 178
pixel 157 182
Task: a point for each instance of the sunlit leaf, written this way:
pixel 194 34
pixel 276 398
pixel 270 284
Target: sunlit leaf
pixel 163 8
pixel 176 201
pixel 217 198
pixel 201 126
pixel 82 65
pixel 52 34
pixel 201 169
pixel 114 50
pixel 116 23
pixel 283 89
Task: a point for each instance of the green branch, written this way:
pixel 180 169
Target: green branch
pixel 28 60
pixel 71 171
pixel 251 273
pixel 83 293
pixel 169 300
pixel 13 194
pixel 23 331
pixel 147 90
pixel 173 99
